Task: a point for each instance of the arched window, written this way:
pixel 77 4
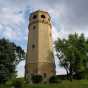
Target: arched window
pixel 42 16
pixel 34 16
pixel 45 74
pixel 33 46
pixel 34 27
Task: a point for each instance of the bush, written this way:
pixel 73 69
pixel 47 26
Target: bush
pixel 36 78
pixel 18 83
pixel 54 79
pixel 62 77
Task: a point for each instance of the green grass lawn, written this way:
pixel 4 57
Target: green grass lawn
pixel 64 84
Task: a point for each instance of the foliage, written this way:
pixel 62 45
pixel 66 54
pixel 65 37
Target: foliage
pixel 17 83
pixel 62 77
pixel 73 54
pixel 36 78
pixel 14 83
pixel 54 79
pixel 10 55
pixel 64 84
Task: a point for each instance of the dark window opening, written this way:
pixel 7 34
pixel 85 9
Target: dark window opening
pixel 33 27
pixel 34 17
pixel 33 46
pixel 44 74
pixel 31 74
pixel 42 16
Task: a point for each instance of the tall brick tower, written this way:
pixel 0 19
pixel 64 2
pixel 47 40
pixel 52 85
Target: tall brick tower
pixel 40 59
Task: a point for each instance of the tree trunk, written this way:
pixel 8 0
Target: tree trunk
pixel 67 72
pixel 70 73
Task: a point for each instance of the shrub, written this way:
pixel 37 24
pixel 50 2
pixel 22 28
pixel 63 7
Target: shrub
pixel 54 79
pixel 36 78
pixel 62 77
pixel 18 83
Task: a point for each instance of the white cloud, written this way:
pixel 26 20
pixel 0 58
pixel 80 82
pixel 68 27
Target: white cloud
pixel 20 69
pixel 8 16
pixel 1 27
pixel 67 17
pixel 54 34
pixel 9 33
pixel 13 25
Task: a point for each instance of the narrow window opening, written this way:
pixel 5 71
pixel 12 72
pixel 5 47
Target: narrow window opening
pixel 33 46
pixel 34 17
pixel 34 27
pixel 42 16
pixel 44 74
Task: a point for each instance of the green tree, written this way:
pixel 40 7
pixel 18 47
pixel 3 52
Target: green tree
pixel 10 56
pixel 73 54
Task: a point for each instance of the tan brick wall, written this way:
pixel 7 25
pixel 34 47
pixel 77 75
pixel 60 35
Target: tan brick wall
pixel 39 59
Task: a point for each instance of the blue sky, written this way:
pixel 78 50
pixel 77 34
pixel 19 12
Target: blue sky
pixel 68 16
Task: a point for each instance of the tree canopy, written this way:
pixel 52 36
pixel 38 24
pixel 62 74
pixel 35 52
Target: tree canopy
pixel 10 56
pixel 73 53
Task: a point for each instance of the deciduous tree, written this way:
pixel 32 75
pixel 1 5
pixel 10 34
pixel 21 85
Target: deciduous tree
pixel 10 56
pixel 73 54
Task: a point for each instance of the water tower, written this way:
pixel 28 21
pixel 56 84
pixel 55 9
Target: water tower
pixel 39 59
